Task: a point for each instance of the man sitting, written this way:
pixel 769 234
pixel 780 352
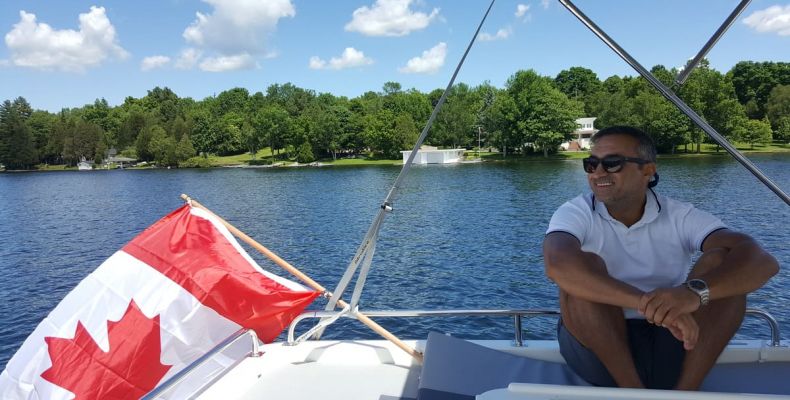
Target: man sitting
pixel 635 311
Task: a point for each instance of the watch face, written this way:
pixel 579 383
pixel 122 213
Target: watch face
pixel 697 284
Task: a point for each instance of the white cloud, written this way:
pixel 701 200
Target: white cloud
pixel 38 45
pixel 237 26
pixel 350 58
pixel 544 4
pixel 152 62
pixel 429 62
pixel 228 63
pixel 188 58
pixel 521 10
pixel 772 19
pixel 389 18
pixel 501 34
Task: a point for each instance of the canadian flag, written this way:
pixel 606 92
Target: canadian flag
pixel 166 298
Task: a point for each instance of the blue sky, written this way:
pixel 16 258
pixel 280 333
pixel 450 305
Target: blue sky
pixel 68 53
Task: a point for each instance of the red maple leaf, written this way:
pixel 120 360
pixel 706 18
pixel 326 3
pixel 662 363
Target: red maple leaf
pixel 128 371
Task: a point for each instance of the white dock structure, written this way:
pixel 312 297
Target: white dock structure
pixel 433 155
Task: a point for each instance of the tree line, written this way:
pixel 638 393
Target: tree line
pixel 531 113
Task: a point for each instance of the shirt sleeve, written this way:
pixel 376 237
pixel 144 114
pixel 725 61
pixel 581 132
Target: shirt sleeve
pixel 570 218
pixel 697 226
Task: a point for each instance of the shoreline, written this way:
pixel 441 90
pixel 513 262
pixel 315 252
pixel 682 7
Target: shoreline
pixel 485 158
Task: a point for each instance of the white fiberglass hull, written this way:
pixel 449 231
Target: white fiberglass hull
pixel 377 369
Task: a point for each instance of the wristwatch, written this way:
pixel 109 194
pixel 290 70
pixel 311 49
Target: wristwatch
pixel 699 287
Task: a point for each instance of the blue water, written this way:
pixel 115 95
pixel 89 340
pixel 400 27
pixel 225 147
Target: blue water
pixel 461 236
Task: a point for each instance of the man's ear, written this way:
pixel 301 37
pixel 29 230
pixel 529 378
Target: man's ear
pixel 649 170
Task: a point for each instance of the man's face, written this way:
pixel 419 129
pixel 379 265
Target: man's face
pixel 626 185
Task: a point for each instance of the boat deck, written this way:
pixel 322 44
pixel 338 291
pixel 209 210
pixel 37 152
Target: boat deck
pixel 327 370
pixel 377 369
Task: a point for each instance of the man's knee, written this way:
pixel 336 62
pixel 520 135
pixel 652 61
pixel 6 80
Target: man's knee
pixel 588 321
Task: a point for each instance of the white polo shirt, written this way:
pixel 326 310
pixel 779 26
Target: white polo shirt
pixel 653 253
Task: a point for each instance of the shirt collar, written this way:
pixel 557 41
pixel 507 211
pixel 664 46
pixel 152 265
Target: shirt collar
pixel 652 208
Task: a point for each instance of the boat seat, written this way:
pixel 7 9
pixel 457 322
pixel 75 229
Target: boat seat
pixel 456 369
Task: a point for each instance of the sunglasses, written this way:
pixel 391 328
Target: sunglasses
pixel 612 163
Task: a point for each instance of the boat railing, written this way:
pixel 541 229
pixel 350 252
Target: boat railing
pixel 231 340
pixel 517 316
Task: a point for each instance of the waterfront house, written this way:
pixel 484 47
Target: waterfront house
pixel 580 138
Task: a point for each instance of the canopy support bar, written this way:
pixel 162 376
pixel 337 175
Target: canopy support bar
pixel 367 248
pixel 684 74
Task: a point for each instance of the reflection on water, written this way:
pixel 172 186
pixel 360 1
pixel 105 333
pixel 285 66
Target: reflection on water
pixel 461 236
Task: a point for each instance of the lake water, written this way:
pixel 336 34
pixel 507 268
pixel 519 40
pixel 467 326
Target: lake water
pixel 460 236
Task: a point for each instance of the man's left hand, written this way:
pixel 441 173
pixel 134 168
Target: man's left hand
pixel 663 306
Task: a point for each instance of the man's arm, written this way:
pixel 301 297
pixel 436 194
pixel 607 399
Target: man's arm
pixel 744 267
pixel 583 274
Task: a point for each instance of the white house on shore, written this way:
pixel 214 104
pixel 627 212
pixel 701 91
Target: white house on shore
pixel 432 155
pixel 580 138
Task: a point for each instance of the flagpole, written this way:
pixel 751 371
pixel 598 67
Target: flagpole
pixel 306 279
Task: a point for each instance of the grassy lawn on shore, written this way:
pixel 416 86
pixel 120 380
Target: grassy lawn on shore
pixel 245 159
pixel 706 150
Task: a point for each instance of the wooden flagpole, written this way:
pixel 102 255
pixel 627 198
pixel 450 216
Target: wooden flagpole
pixel 306 279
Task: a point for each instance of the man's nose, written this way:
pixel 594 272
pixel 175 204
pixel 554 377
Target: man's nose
pixel 599 170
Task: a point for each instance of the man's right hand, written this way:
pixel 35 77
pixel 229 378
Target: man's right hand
pixel 685 329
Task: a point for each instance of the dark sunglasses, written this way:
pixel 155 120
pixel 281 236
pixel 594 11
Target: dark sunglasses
pixel 611 164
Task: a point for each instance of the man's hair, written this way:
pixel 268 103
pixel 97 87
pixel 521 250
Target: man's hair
pixel 646 148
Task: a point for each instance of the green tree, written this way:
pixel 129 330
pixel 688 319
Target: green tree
pixel 162 147
pixel 81 140
pixel 290 97
pixel 753 82
pixel 546 116
pixel 778 105
pixel 184 149
pixel 501 120
pixel 304 154
pixel 41 124
pixel 579 84
pixel 458 116
pixel 661 120
pixel 272 125
pixel 783 130
pixel 756 131
pixel 17 150
pixel 232 101
pixel 143 142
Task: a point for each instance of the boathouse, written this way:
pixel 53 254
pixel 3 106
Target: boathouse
pixel 433 155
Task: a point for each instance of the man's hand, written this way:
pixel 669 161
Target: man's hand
pixel 685 329
pixel 664 306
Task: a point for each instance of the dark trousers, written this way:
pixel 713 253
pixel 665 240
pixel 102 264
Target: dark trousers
pixel 658 356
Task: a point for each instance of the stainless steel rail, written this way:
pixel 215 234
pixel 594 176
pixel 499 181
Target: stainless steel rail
pixel 174 380
pixel 516 314
pixel 775 335
pixel 684 74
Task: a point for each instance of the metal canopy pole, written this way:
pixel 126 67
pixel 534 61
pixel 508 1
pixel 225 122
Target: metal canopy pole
pixel 684 74
pixel 669 95
pixel 364 253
